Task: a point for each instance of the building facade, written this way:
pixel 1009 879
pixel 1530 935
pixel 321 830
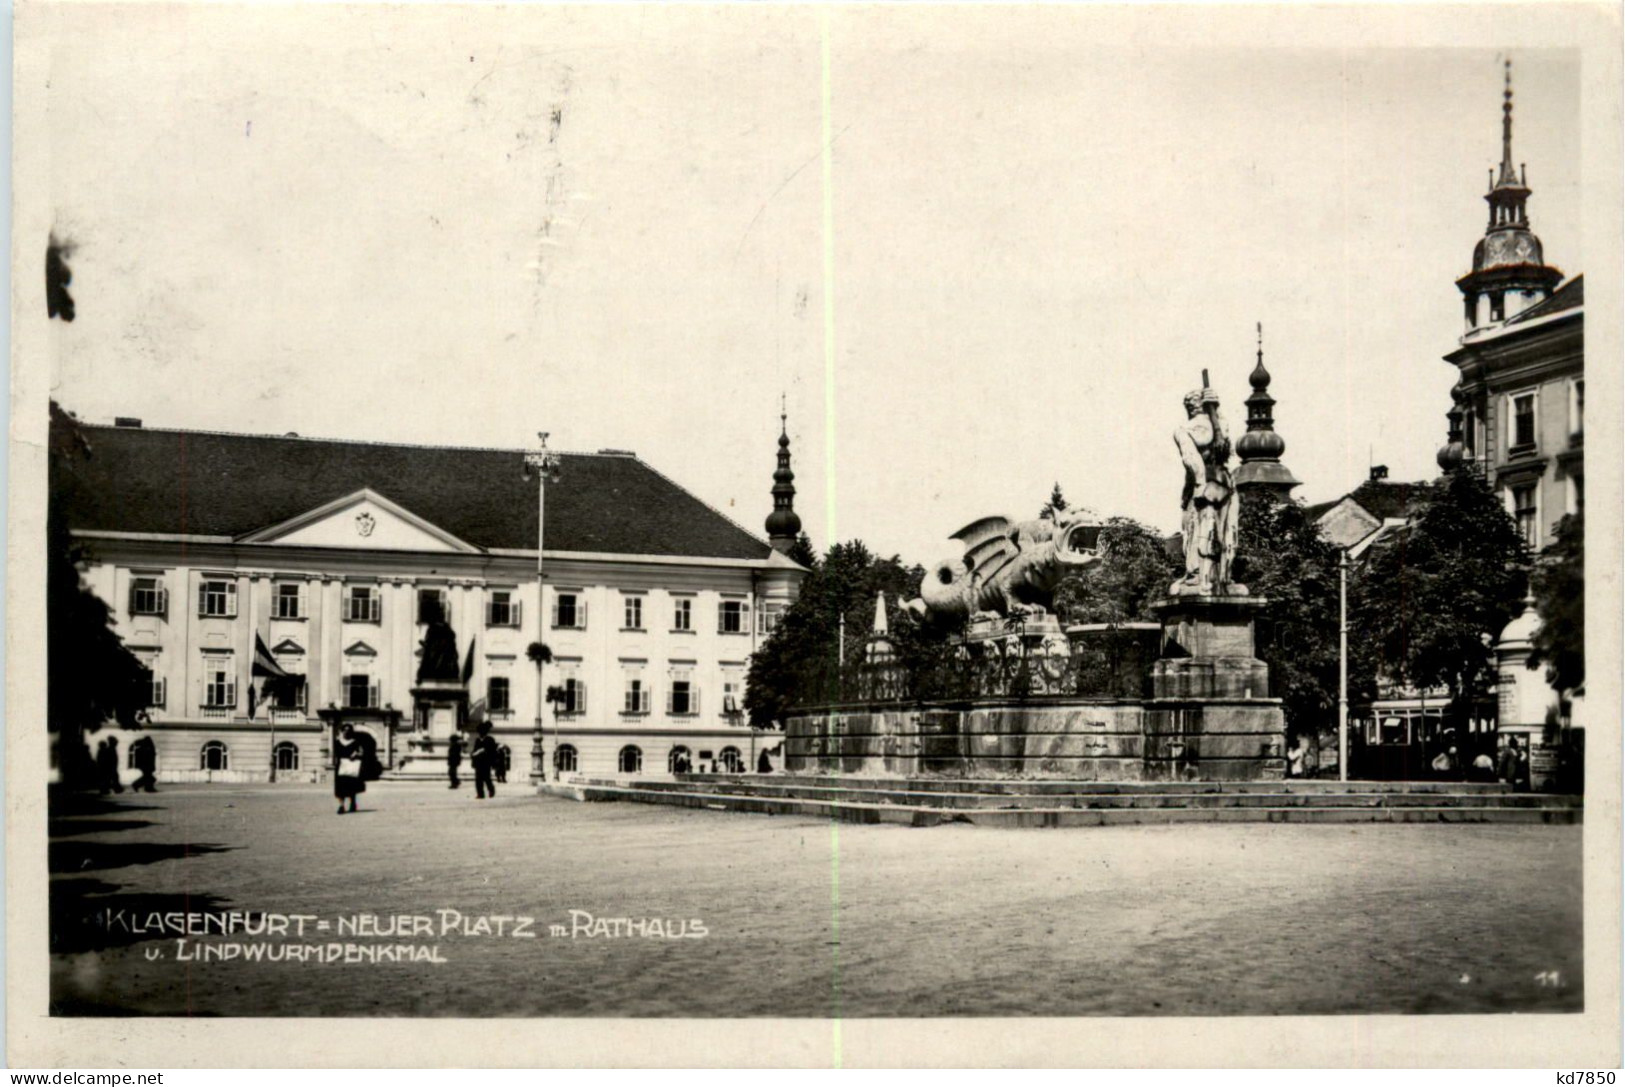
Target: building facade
pixel 1518 417
pixel 1519 412
pixel 279 588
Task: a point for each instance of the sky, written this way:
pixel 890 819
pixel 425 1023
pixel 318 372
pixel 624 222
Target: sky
pixel 979 251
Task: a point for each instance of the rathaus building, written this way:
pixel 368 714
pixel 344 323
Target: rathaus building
pixel 279 588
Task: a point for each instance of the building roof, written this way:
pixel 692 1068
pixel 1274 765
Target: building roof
pixel 1386 499
pixel 1382 502
pixel 1569 295
pixel 174 482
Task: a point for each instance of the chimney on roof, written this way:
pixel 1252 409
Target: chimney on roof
pixel 1379 472
pixel 127 421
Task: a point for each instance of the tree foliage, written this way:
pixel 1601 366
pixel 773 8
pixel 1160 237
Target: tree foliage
pixel 1559 584
pixel 1430 599
pixel 1136 569
pixel 1282 557
pixel 1056 504
pixel 91 678
pixel 802 551
pixel 844 583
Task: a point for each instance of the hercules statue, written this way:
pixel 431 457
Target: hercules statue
pixel 1209 499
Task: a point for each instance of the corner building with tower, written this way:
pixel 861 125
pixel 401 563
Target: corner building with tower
pixel 279 588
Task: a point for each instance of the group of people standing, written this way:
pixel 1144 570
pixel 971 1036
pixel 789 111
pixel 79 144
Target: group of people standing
pixel 354 764
pixel 143 757
pixel 486 758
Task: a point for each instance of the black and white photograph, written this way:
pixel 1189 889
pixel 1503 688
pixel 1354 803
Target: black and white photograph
pixel 821 526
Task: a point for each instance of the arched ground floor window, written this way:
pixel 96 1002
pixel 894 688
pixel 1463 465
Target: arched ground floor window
pixel 564 759
pixel 287 756
pixel 680 761
pixel 731 761
pixel 214 756
pixel 631 760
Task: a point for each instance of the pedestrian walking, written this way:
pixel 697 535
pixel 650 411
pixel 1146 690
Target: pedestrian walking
pixel 107 765
pixel 454 760
pixel 485 758
pixel 144 755
pixel 347 767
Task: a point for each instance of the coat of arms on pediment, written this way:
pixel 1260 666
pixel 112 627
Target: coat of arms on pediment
pixel 365 523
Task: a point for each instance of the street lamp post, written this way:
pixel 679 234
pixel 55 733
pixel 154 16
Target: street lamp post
pixel 1343 665
pixel 545 464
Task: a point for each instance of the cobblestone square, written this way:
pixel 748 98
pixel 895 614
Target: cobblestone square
pixel 651 911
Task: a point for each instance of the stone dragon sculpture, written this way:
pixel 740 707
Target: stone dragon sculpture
pixel 1007 568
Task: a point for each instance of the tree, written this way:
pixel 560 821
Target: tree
pixel 807 640
pixel 1559 584
pixel 1056 504
pixel 1135 570
pixel 91 678
pixel 802 551
pixel 1282 557
pixel 1430 598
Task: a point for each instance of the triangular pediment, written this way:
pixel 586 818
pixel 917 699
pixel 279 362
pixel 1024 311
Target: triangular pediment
pixel 288 647
pixel 365 520
pixel 360 649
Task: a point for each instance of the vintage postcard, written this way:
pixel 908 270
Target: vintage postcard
pixel 838 534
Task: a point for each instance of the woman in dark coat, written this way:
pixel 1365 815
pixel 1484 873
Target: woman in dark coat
pixel 348 756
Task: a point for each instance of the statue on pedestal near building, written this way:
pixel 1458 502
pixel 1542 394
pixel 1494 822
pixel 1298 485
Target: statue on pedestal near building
pixel 439 647
pixel 1209 500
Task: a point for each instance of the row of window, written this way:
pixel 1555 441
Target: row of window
pixel 679 760
pixel 361 691
pixel 216 755
pixel 217 598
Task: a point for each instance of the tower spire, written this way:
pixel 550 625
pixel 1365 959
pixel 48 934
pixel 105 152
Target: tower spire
pixel 1509 176
pixel 1509 273
pixel 783 524
pixel 1260 448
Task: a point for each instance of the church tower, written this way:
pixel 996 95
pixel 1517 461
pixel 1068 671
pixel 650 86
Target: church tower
pixel 1509 271
pixel 783 525
pixel 1260 449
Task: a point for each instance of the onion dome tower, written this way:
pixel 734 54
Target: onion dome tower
pixel 1453 452
pixel 783 525
pixel 1260 449
pixel 1509 270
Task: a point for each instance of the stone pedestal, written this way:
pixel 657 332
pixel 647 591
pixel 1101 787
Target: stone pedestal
pixel 439 708
pixel 1210 716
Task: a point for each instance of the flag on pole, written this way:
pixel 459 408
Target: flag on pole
pixel 468 663
pixel 264 663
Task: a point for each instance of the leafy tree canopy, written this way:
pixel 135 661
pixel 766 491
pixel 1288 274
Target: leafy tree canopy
pixel 802 551
pixel 91 678
pixel 1559 584
pixel 844 583
pixel 1282 557
pixel 1135 570
pixel 1430 599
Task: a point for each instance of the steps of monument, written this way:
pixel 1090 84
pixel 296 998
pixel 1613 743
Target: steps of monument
pixel 1064 787
pixel 850 811
pixel 1276 797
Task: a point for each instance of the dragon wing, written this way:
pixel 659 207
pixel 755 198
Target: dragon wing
pixel 988 546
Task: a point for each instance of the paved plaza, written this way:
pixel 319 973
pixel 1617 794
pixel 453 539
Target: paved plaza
pixel 670 912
